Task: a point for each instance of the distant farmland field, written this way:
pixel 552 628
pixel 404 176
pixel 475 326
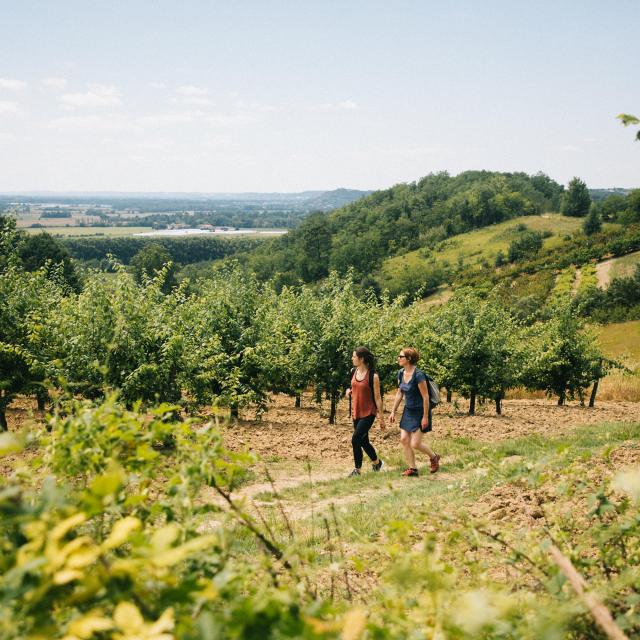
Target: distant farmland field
pixel 70 232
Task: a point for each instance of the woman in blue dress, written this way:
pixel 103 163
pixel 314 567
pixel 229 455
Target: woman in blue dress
pixel 416 417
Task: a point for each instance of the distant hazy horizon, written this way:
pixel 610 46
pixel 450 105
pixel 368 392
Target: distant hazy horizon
pixel 208 96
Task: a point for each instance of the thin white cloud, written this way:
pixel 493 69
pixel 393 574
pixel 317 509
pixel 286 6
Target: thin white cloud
pixel 192 91
pixel 157 85
pixel 230 119
pixel 194 100
pixel 7 107
pixel 11 84
pixel 112 123
pixel 168 119
pixel 97 95
pixel 344 105
pixel 54 83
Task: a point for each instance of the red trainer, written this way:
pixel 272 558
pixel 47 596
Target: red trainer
pixel 410 472
pixel 435 463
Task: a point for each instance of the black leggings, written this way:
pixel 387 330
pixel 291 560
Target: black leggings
pixel 360 440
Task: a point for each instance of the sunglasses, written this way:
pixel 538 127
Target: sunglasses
pixel 402 355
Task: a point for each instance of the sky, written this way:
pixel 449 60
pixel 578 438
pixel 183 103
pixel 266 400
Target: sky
pixel 231 96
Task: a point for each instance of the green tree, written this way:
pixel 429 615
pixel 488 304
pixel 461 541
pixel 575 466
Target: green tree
pixel 526 246
pixel 42 250
pixel 117 334
pixel 218 329
pixel 562 356
pixel 9 240
pixel 631 213
pixel 27 301
pixel 313 247
pixel 576 200
pixel 473 345
pixel 592 223
pixel 150 261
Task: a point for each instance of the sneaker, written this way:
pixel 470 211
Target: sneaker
pixel 410 472
pixel 378 466
pixel 435 463
pixel 354 474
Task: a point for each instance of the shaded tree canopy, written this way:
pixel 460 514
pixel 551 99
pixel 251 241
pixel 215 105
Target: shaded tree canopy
pixel 576 201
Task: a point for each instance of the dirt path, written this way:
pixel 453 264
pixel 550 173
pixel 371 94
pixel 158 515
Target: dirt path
pixel 577 279
pixel 603 272
pixel 251 497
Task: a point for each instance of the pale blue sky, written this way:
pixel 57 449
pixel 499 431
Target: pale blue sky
pixel 286 96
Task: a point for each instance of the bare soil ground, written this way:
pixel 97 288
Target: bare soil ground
pixel 287 438
pixel 287 433
pixel 603 272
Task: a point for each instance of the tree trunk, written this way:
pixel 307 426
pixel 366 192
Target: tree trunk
pixel 298 401
pixel 561 396
pixel 592 398
pixel 499 405
pixel 581 396
pixel 234 411
pixel 449 394
pixel 472 403
pixel 334 405
pixel 3 420
pixel 318 394
pixel 42 399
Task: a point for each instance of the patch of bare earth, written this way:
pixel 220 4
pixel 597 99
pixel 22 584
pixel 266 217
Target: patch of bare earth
pixel 603 272
pixel 519 504
pixel 576 282
pixel 287 433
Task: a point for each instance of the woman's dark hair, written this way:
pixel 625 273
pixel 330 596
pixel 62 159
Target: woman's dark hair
pixel 364 354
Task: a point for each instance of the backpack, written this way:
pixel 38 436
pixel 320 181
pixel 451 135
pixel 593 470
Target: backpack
pixel 432 388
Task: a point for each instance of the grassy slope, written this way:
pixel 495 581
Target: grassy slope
pixel 624 266
pixel 486 242
pixel 481 244
pixel 621 340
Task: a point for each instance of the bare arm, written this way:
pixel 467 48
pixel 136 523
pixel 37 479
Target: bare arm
pixel 378 397
pixel 424 392
pixel 396 403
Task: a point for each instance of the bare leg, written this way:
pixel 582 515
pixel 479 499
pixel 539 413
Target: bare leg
pixel 416 443
pixel 409 456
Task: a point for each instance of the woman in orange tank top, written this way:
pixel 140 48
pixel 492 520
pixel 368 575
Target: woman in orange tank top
pixel 366 403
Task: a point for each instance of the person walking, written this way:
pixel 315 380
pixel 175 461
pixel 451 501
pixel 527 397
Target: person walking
pixel 416 418
pixel 366 404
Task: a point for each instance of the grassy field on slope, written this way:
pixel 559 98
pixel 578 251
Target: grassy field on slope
pixel 621 340
pixel 478 246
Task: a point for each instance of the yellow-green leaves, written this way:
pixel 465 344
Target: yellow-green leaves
pixel 10 443
pixel 121 531
pixel 127 624
pixel 85 627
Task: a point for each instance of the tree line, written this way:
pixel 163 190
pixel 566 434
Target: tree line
pixel 405 217
pixel 231 340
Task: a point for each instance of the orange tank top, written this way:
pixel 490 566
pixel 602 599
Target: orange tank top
pixel 362 402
